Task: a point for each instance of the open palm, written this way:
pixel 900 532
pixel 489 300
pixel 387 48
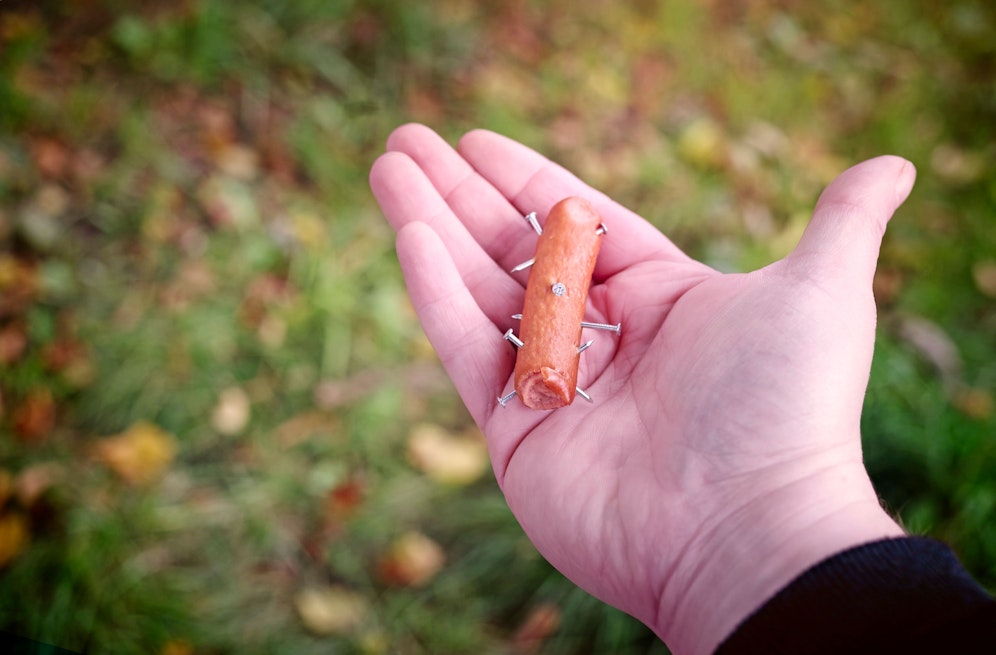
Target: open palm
pixel 727 400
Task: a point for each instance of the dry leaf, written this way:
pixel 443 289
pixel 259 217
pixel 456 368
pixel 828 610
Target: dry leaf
pixel 231 413
pixel 412 560
pixel 975 403
pixel 541 622
pixel 138 455
pixel 50 156
pixel 237 160
pixel 35 480
pixel 14 536
pixel 956 165
pixel 177 647
pixel 6 486
pixel 984 274
pixel 447 458
pixel 331 610
pixel 344 499
pixel 34 417
pixel 18 285
pixel 13 342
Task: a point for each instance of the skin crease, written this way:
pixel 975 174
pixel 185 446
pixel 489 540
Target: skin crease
pixel 721 456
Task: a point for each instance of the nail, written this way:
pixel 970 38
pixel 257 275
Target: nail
pixel 617 328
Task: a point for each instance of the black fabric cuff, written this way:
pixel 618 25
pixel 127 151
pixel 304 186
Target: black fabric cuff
pixel 905 595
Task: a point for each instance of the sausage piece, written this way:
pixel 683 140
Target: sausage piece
pixel 546 370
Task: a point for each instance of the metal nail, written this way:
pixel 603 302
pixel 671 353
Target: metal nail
pixel 531 217
pixel 585 346
pixel 584 394
pixel 503 400
pixel 514 339
pixel 524 265
pixel 617 328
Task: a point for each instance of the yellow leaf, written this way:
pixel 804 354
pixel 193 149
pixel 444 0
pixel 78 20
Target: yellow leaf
pixel 703 143
pixel 140 454
pixel 447 458
pixel 331 610
pixel 14 536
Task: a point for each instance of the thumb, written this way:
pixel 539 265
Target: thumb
pixel 843 238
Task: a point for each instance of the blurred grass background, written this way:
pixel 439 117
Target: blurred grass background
pixel 221 429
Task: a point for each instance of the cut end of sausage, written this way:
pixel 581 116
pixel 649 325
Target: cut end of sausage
pixel 546 389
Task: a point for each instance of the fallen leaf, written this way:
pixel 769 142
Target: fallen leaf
pixel 984 274
pixel 344 499
pixel 237 160
pixel 6 486
pixel 232 411
pixel 13 342
pixel 34 417
pixel 35 480
pixel 412 560
pixel 332 610
pixel 702 143
pixel 445 457
pixel 956 165
pixel 541 622
pixel 975 403
pixel 14 536
pixel 50 156
pixel 177 647
pixel 139 455
pixel 72 359
pixel 18 284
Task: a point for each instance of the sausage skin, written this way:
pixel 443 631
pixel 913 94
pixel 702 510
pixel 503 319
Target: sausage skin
pixel 546 370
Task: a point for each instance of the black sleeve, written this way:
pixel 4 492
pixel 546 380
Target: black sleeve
pixel 906 595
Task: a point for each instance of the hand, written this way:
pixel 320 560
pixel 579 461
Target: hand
pixel 721 456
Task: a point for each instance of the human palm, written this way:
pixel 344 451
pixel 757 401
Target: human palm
pixel 726 402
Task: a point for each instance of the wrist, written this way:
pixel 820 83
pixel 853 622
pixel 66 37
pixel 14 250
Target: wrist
pixel 755 549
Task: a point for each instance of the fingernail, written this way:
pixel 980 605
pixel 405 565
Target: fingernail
pixel 904 181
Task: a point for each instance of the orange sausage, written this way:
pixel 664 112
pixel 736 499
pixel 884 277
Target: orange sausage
pixel 546 370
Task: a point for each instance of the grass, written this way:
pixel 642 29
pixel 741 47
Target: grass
pixel 187 242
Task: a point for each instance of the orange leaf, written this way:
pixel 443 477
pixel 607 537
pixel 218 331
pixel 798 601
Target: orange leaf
pixel 412 560
pixel 541 622
pixel 34 418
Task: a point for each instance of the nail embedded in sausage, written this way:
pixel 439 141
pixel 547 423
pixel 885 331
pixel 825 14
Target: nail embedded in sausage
pixel 546 370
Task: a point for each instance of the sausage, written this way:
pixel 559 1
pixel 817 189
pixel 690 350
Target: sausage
pixel 546 370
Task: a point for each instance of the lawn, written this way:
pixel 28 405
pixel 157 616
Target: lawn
pixel 221 428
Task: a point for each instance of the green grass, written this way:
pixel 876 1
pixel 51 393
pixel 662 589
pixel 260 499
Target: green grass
pixel 184 211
